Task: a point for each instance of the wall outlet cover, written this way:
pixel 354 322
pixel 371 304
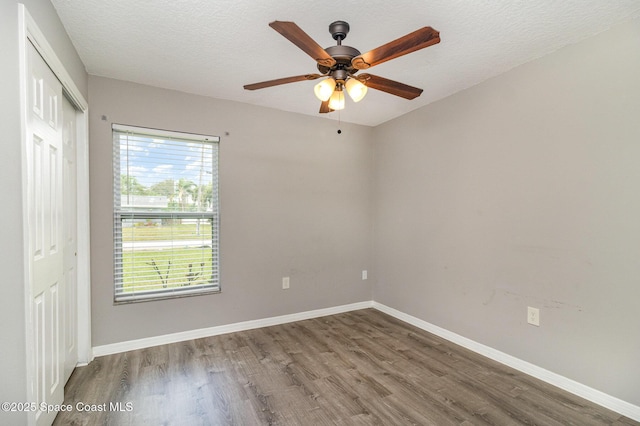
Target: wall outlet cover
pixel 533 316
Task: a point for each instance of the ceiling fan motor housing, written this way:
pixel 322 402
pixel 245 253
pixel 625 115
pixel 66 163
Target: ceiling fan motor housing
pixel 343 56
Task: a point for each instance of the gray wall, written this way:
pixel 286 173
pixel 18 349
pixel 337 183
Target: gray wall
pixel 524 191
pixel 295 201
pixel 12 305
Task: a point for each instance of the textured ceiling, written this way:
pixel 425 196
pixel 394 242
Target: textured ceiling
pixel 214 47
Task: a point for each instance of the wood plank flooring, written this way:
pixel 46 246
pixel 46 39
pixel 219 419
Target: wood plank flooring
pixel 357 368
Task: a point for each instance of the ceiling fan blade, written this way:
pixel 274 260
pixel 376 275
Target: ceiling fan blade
pixel 389 86
pixel 295 35
pixel 280 81
pixel 324 107
pixel 419 39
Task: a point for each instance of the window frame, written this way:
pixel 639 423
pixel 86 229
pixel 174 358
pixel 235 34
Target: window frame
pixel 120 215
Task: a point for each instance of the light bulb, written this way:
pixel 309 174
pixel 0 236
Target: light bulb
pixel 324 89
pixel 336 102
pixel 356 89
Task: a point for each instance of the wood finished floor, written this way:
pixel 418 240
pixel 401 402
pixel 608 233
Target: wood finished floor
pixel 356 368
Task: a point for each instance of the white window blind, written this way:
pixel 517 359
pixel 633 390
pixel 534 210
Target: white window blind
pixel 166 214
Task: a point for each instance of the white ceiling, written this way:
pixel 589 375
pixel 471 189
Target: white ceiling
pixel 214 47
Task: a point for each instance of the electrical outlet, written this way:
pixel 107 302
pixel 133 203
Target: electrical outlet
pixel 364 274
pixel 285 283
pixel 533 316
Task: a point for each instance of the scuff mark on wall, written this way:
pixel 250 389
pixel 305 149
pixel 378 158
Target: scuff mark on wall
pixel 545 303
pixel 490 299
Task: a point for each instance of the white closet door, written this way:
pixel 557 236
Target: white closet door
pixel 46 240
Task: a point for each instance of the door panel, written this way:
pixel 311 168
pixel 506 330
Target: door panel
pixel 45 215
pixel 69 138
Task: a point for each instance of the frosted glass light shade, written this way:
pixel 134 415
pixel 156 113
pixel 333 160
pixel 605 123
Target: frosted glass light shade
pixel 356 89
pixel 324 89
pixel 336 101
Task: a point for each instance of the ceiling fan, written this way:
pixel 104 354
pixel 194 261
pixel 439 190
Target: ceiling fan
pixel 340 64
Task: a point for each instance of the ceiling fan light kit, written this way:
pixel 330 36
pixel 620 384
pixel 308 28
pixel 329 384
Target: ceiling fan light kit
pixel 324 89
pixel 336 101
pixel 340 64
pixel 356 89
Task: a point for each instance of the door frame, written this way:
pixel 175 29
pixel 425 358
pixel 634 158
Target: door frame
pixel 31 33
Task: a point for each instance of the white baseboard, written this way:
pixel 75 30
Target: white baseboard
pixel 148 342
pixel 590 394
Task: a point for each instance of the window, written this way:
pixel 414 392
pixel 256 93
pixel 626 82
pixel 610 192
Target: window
pixel 166 214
